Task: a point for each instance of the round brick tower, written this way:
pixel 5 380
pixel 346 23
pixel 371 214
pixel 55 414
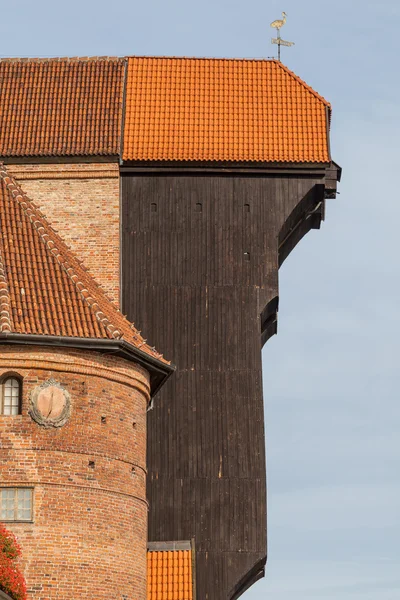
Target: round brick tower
pixel 86 534
pixel 75 382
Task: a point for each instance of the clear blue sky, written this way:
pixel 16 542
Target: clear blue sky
pixel 331 376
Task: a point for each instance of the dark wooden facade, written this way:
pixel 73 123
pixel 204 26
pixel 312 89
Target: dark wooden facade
pixel 201 250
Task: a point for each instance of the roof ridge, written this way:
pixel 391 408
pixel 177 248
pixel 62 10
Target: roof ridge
pixel 303 83
pixel 128 56
pixel 66 259
pixel 210 58
pixel 38 59
pixel 5 312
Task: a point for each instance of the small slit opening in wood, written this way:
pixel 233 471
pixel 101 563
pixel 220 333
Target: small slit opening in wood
pixel 153 206
pixel 198 207
pixel 247 256
pixel 246 207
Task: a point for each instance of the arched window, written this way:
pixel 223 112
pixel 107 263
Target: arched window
pixel 10 401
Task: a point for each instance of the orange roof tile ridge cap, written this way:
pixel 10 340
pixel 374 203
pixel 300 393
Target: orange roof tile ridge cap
pixel 303 83
pixel 5 304
pixel 208 58
pixel 40 224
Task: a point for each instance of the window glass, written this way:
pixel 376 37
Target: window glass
pixel 7 504
pixel 11 388
pixel 16 504
pixel 24 504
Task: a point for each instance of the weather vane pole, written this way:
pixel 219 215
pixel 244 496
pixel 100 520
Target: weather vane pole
pixel 278 40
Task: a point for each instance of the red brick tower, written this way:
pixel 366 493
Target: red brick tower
pixel 75 381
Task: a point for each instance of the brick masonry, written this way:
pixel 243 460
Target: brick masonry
pixel 89 531
pixel 81 202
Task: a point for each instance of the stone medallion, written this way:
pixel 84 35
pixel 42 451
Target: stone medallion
pixel 50 404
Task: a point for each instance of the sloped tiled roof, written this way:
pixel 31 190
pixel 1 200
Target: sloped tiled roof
pixel 173 109
pixel 189 109
pixel 61 107
pixel 44 289
pixel 170 575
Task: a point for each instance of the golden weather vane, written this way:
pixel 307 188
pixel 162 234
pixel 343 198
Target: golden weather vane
pixel 278 40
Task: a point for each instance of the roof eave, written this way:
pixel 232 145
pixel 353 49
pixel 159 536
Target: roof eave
pixel 158 370
pixel 226 167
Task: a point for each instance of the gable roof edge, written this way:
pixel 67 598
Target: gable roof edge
pixel 303 83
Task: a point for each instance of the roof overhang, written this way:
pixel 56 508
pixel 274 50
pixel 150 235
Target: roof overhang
pixel 159 371
pixel 205 167
pixel 53 159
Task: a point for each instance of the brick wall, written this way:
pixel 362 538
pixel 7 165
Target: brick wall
pixel 81 202
pixel 89 531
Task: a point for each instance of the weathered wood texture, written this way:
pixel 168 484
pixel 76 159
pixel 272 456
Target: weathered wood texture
pixel 200 278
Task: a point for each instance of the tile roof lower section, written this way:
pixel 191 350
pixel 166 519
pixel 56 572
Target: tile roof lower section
pixel 61 107
pixel 170 575
pixel 190 109
pixel 44 289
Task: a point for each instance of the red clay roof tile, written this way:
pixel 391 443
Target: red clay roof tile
pixel 44 289
pixel 61 107
pixel 190 109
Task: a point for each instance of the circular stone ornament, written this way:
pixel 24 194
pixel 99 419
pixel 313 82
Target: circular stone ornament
pixel 50 404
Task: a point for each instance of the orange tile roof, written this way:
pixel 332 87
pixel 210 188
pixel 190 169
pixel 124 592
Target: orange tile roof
pixel 170 575
pixel 44 289
pixel 176 109
pixel 190 109
pixel 61 107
